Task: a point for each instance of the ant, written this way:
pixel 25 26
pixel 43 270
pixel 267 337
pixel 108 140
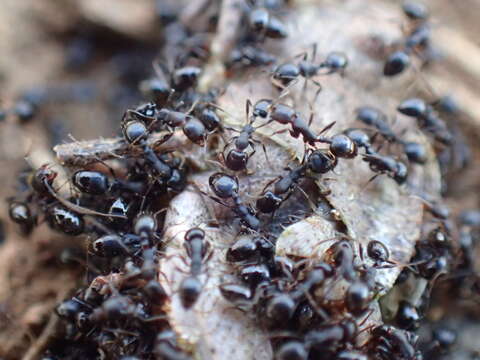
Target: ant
pixel 417 41
pixel 247 247
pixel 263 24
pixel 249 56
pixel 286 115
pixel 382 164
pixel 193 128
pixel 198 251
pixel 61 214
pixel 387 341
pixel 283 187
pixel 284 75
pixel 226 187
pixel 21 214
pixel 331 337
pixel 427 119
pixel 112 245
pixel 135 133
pixel 237 158
pixel 371 116
pixel 166 346
pixel 97 183
pixel 282 307
pixel 374 117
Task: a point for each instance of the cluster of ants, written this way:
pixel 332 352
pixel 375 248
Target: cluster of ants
pixel 121 313
pixel 416 43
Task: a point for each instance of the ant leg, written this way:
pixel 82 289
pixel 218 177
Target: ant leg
pixel 270 183
pixel 248 106
pixel 279 132
pixel 319 90
pixel 364 187
pixel 320 312
pixel 312 204
pixel 328 127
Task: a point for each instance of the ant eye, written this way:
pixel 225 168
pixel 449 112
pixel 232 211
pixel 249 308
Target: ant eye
pixel 135 131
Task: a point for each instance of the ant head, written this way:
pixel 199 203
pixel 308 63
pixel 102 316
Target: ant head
pixel 223 185
pixel 194 233
pixel 145 224
pixel 377 251
pixel 42 178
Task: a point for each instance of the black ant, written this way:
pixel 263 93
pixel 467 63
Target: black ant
pixel 21 214
pixel 371 116
pixel 247 247
pixel 286 115
pixel 97 183
pixel 263 24
pixel 166 346
pixel 282 188
pixel 249 56
pixel 112 245
pixel 427 119
pixel 198 251
pixel 285 74
pixel 237 158
pixel 387 341
pixel 374 117
pixel 417 41
pixel 382 164
pixel 226 187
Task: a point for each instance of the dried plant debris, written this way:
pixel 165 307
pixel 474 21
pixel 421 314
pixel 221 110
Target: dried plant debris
pixel 276 195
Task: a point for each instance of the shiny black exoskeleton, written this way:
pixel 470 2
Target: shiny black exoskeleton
pixel 197 250
pixel 226 187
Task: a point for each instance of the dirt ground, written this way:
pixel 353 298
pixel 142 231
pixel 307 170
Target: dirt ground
pixel 88 89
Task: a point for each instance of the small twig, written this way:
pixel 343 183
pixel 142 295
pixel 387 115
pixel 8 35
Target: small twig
pixel 222 43
pixel 39 345
pixel 82 153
